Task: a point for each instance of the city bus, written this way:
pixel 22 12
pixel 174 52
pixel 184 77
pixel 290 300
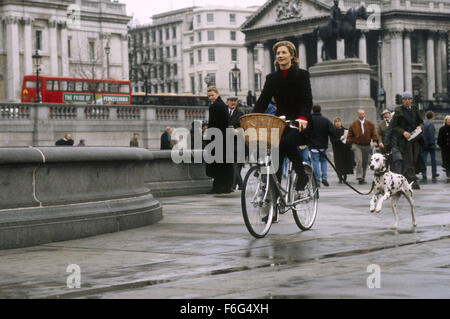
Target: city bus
pixel 169 99
pixel 64 90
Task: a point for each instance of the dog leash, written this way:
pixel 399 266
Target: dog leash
pixel 335 169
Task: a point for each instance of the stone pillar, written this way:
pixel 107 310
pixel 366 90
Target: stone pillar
pixel 267 57
pixel 13 62
pixel 28 46
pixel 251 66
pixel 125 62
pixel 340 49
pixel 53 47
pixel 439 82
pixel 64 50
pixel 431 82
pixel 319 50
pixel 443 48
pixel 302 54
pixel 407 60
pixel 397 62
pixel 363 47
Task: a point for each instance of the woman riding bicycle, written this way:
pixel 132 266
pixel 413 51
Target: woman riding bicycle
pixel 291 88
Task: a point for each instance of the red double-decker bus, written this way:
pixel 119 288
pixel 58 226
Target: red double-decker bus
pixel 76 91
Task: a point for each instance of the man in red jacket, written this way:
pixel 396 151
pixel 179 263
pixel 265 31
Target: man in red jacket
pixel 360 134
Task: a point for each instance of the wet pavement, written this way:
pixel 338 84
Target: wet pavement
pixel 201 249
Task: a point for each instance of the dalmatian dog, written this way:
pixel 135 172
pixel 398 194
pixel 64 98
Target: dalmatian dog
pixel 389 184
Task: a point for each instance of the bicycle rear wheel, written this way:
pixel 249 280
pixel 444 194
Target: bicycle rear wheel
pixel 305 211
pixel 258 203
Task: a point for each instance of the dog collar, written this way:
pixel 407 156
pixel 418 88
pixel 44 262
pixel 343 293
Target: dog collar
pixel 379 174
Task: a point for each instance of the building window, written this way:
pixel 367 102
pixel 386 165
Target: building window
pixel 192 84
pixel 210 35
pixel 161 72
pixel 199 56
pixel 160 36
pixel 210 18
pixel 167 34
pixel 212 79
pixel 174 48
pixel 154 54
pixel 233 35
pixel 258 81
pixel 414 50
pixel 211 55
pixel 69 47
pixel 232 18
pixel 38 39
pixel 161 54
pixel 92 50
pixel 255 55
pixel 199 19
pixel 168 70
pixel 175 86
pixel 200 82
pixel 191 58
pixel 169 87
pixel 175 69
pixel 168 52
pixel 233 55
pixel 191 39
pixel 199 36
pixel 154 36
pixel 174 33
pixel 147 37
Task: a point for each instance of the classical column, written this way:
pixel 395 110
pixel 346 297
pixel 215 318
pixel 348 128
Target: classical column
pixel 443 48
pixel 267 57
pixel 397 61
pixel 27 46
pixel 125 63
pixel 64 50
pixel 431 82
pixel 407 60
pixel 363 47
pixel 340 49
pixel 251 66
pixel 319 50
pixel 12 59
pixel 439 67
pixel 302 53
pixel 53 47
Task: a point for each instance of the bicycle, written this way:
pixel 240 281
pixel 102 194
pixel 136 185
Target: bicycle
pixel 264 198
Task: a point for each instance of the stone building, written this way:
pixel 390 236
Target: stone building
pixel 414 42
pixel 188 48
pixel 71 36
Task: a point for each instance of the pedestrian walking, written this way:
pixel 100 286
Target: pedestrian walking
pixel 322 129
pixel 65 141
pixel 218 118
pixel 235 113
pixel 406 121
pixel 382 128
pixel 291 88
pixel 134 142
pixel 429 146
pixel 444 144
pixel 361 134
pixel 82 143
pixel 342 153
pixel 166 138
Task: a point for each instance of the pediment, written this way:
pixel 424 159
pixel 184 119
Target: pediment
pixel 283 11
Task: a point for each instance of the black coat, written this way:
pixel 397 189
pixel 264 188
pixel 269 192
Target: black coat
pixel 444 144
pixel 322 129
pixel 292 94
pixel 342 153
pixel 64 142
pixel 218 118
pixel 165 141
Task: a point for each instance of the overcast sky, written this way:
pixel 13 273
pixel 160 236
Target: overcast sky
pixel 144 9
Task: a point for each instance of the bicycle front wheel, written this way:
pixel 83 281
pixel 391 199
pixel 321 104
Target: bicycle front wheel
pixel 307 201
pixel 257 202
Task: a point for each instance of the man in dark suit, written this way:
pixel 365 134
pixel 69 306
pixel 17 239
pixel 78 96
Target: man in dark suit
pixel 291 88
pixel 235 114
pixel 165 139
pixel 218 118
pixel 65 141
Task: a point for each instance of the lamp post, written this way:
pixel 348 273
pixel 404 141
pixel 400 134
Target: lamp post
pixel 235 71
pixel 381 93
pixel 108 51
pixel 207 80
pixel 146 66
pixel 37 62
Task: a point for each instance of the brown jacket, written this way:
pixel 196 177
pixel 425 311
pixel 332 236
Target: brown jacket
pixel 355 133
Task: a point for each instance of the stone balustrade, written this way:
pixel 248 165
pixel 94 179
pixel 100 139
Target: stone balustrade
pixel 23 124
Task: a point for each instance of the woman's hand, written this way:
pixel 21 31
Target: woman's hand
pixel 302 125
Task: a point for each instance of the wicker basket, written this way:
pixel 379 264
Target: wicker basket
pixel 259 121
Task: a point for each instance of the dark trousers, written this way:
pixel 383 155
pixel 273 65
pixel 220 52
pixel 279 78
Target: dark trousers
pixel 222 181
pixel 290 140
pixel 410 159
pixel 237 177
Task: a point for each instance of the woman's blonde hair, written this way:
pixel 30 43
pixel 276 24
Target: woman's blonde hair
pixel 292 51
pixel 213 89
pixel 445 119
